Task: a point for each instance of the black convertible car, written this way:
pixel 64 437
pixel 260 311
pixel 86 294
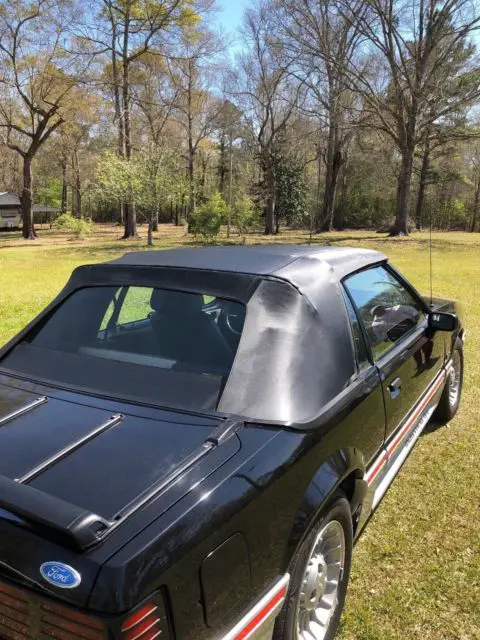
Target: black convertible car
pixel 191 440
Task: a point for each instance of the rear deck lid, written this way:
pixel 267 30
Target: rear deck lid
pixel 72 472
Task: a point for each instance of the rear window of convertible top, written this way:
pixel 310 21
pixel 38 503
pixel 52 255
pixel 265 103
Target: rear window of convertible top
pixel 171 347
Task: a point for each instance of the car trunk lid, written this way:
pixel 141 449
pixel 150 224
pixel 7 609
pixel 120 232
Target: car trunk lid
pixel 65 465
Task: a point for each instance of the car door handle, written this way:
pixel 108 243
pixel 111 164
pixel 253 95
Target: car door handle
pixel 395 388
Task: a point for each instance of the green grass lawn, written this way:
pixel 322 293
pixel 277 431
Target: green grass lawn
pixel 416 570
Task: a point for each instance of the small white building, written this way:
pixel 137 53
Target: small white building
pixel 10 211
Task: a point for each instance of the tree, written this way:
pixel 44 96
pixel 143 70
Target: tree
pixel 37 79
pixel 228 126
pixel 291 191
pixel 196 107
pixel 267 94
pixel 473 160
pixel 207 219
pixel 159 134
pixel 243 215
pixel 425 71
pixel 323 41
pixel 149 180
pixel 439 140
pixel 128 30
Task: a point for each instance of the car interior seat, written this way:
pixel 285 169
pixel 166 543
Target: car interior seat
pixel 186 334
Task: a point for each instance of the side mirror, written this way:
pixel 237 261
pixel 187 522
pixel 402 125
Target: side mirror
pixel 442 321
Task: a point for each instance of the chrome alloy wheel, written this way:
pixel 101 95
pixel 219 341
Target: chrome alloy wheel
pixel 318 597
pixel 455 379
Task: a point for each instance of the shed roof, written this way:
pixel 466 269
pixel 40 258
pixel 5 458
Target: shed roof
pixel 9 199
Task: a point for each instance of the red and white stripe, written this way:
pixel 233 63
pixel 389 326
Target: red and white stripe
pixel 397 438
pixel 262 613
pixel 376 467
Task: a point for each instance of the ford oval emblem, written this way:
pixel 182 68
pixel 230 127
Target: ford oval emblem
pixel 60 575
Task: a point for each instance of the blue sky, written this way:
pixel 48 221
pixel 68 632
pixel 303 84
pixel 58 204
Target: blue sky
pixel 230 13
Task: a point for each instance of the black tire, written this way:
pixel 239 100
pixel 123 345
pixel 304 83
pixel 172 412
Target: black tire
pixel 447 407
pixel 339 510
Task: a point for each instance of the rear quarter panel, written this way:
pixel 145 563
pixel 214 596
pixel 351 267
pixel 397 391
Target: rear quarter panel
pixel 271 492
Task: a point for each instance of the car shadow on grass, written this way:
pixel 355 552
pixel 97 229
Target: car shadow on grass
pixel 433 425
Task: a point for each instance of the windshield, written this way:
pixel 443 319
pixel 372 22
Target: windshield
pixel 173 347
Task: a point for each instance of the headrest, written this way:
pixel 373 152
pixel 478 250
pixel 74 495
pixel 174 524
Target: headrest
pixel 176 302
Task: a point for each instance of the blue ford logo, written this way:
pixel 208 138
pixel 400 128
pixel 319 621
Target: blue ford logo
pixel 60 575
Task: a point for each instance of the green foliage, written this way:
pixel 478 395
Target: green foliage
pixel 78 227
pixel 49 193
pixel 150 180
pixel 291 191
pixel 207 219
pixel 117 178
pixel 243 215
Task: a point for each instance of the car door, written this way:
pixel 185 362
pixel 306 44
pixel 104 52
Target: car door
pixel 395 320
pixel 369 413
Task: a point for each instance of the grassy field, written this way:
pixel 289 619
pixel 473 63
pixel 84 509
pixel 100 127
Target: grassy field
pixel 416 572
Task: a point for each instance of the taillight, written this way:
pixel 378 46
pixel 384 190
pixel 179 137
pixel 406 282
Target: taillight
pixel 23 617
pixel 145 624
pixel 66 624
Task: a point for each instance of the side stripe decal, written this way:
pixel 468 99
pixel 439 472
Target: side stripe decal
pixel 393 445
pixel 376 467
pixel 397 438
pixel 262 613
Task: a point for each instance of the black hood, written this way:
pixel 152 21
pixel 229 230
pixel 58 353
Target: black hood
pixel 92 457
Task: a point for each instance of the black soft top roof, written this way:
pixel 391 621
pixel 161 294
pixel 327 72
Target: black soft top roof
pixel 296 355
pixel 260 260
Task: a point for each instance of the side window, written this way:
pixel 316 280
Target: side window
pixel 358 339
pixel 128 305
pixel 387 309
pixel 136 305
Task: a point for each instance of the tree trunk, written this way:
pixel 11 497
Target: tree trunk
pixel 341 209
pixel 404 181
pixel 230 188
pixel 422 185
pixel 150 231
pixel 64 186
pixel 476 207
pixel 27 200
pixel 118 108
pixel 325 222
pixel 191 177
pixel 155 219
pixel 130 223
pixel 317 215
pixel 177 217
pixel 271 202
pixel 331 182
pixel 191 146
pixel 222 169
pixel 74 202
pixel 130 214
pixel 203 182
pixel 77 200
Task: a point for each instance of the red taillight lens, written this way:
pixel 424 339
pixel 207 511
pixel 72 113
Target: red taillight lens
pixel 23 617
pixel 64 624
pixel 144 624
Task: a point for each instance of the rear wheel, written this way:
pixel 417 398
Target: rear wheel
pixel 452 392
pixel 319 578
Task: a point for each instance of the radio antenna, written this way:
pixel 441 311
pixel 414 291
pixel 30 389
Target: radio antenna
pixel 430 257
